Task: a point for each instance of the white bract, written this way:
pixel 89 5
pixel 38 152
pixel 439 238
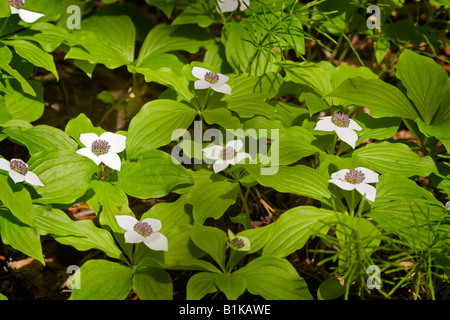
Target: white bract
pixel 359 179
pixel 342 125
pixel 25 15
pixel 209 79
pixel 231 5
pixel 227 155
pixel 18 171
pixel 103 149
pixel 143 231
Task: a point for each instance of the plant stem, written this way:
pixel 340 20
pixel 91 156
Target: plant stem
pixel 244 204
pixel 243 198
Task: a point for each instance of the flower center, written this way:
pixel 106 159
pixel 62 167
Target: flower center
pixel 144 229
pixel 16 3
pixel 100 147
pixel 239 243
pixel 19 166
pixel 341 120
pixel 212 77
pixel 354 176
pixel 228 153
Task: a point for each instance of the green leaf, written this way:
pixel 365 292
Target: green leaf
pixel 376 128
pixel 417 221
pixel 211 240
pixel 392 187
pixel 17 199
pixel 5 11
pixel 26 87
pixel 109 40
pixel 81 124
pixel 5 116
pixel 103 280
pixel 294 143
pixel 314 102
pixel 50 36
pixel 424 80
pixel 299 179
pixel 383 99
pixel 242 53
pixel 210 199
pixel 294 227
pixel 66 175
pixel 94 238
pixel 40 138
pixel 35 55
pixel 56 222
pixel 358 237
pixel 251 107
pixel 171 214
pixel 152 176
pixel 246 87
pixel 165 38
pixel 23 106
pixel 201 284
pixel 177 227
pixel 330 289
pixel 258 236
pixel 222 117
pixel 440 131
pixel 202 13
pixel 108 202
pixel 274 279
pixel 20 236
pixel 233 284
pixel 155 124
pixel 166 69
pixel 316 76
pixel 394 158
pixel 381 46
pixel 152 283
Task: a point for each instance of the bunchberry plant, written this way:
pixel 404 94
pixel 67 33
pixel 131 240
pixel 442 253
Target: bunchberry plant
pixel 342 125
pixel 18 171
pixel 359 179
pixel 335 161
pixel 103 149
pixel 230 154
pixel 208 79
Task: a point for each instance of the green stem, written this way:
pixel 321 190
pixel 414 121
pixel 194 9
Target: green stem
pixel 244 204
pixel 120 101
pixel 243 198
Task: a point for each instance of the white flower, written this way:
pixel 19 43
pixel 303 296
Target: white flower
pixel 238 243
pixel 447 206
pixel 25 15
pixel 208 79
pixel 342 125
pixel 231 5
pixel 18 171
pixel 226 155
pixel 143 231
pixel 358 179
pixel 103 149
